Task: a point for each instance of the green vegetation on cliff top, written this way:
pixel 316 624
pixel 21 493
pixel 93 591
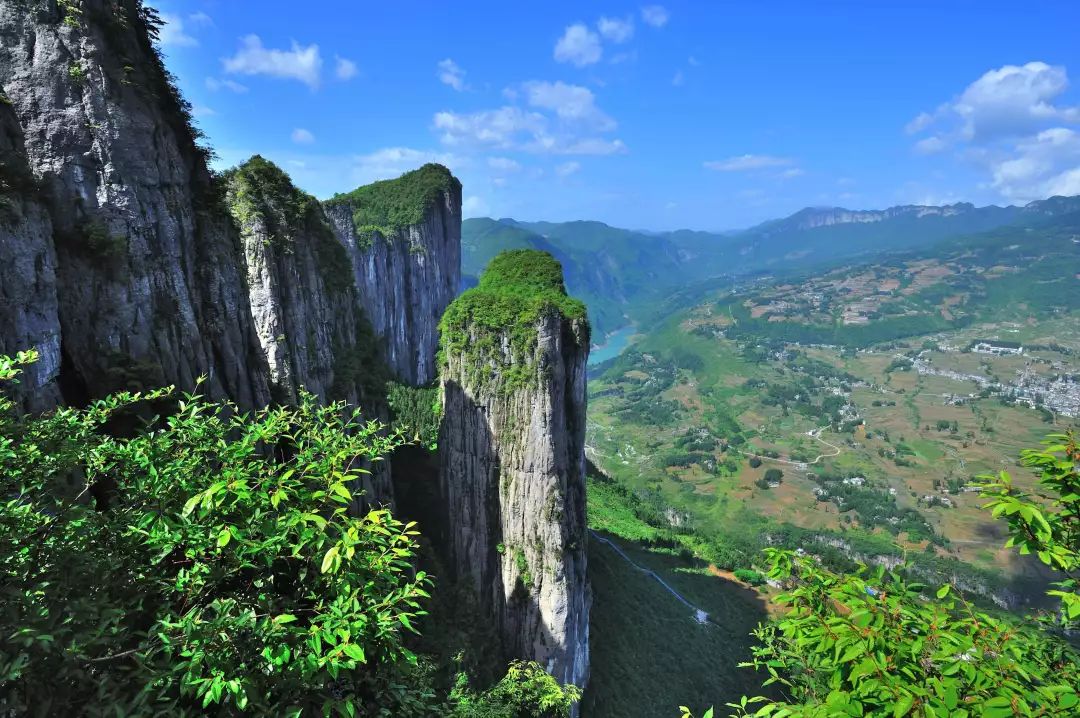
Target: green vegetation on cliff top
pixel 260 189
pixel 516 290
pixel 390 205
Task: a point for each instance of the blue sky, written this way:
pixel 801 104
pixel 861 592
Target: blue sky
pixel 707 115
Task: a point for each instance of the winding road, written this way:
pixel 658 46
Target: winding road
pixel 699 615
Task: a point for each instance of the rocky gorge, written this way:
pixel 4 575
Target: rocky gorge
pixel 129 264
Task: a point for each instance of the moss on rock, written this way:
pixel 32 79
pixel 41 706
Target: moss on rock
pixel 390 205
pixel 515 292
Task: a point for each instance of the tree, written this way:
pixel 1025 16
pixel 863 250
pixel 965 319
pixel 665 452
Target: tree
pixel 774 475
pixel 224 570
pixel 754 462
pixel 1047 522
pixel 875 644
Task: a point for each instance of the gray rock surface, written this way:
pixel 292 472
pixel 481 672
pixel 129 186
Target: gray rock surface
pixel 149 277
pixel 406 281
pixel 28 306
pixel 512 471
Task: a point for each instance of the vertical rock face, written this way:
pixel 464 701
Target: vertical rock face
pixel 512 463
pixel 28 309
pixel 404 240
pixel 300 286
pixel 148 272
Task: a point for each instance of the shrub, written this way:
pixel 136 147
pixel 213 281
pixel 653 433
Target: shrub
pixel 216 565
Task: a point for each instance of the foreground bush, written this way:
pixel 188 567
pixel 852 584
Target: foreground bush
pixel 207 564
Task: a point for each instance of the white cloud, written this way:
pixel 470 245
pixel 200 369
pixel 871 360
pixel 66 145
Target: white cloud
pixel 214 84
pixel 571 103
pixel 567 168
pixel 201 111
pixel 511 128
pixel 172 34
pixel 655 15
pixel 1011 101
pixel 578 46
pixel 745 163
pixel 616 30
pixel 201 18
pixel 497 128
pixel 390 162
pixel 920 123
pixel 693 61
pixel 1040 166
pixel 503 164
pixel 298 63
pixel 302 137
pixel 931 145
pixel 1011 124
pixel 679 79
pixel 792 173
pixel 450 73
pixel 344 69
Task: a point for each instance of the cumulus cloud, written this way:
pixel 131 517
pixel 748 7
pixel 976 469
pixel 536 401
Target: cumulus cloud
pixel 214 84
pixel 172 33
pixel 572 103
pixel 1011 124
pixel 201 18
pixel 450 73
pixel 616 30
pixel 344 69
pixel 302 137
pixel 1040 166
pixel 514 128
pixel 747 163
pixel 792 173
pixel 655 15
pixel 298 63
pixel 567 168
pixel 578 46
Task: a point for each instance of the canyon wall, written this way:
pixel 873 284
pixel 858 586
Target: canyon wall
pixel 512 463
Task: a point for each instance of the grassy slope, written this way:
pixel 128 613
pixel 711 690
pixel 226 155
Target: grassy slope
pixel 649 655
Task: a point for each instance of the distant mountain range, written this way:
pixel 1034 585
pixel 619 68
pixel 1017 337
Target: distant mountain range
pixel 620 272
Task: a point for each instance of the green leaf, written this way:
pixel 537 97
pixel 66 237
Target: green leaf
pixel 903 706
pixel 284 618
pixel 355 652
pixel 943 591
pixel 329 559
pixel 224 537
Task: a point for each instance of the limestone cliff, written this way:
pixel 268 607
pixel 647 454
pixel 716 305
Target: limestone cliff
pixel 512 463
pixel 300 285
pixel 404 241
pixel 148 273
pixel 28 308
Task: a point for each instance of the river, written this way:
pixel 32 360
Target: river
pixel 613 345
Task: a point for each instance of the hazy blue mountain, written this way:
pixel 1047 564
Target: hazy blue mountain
pixel 620 273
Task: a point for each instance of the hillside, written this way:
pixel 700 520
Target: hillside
pixel 866 390
pixel 620 273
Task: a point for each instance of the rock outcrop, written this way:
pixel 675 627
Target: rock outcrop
pixel 512 463
pixel 404 240
pixel 28 306
pixel 300 285
pixel 148 273
pixel 122 265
